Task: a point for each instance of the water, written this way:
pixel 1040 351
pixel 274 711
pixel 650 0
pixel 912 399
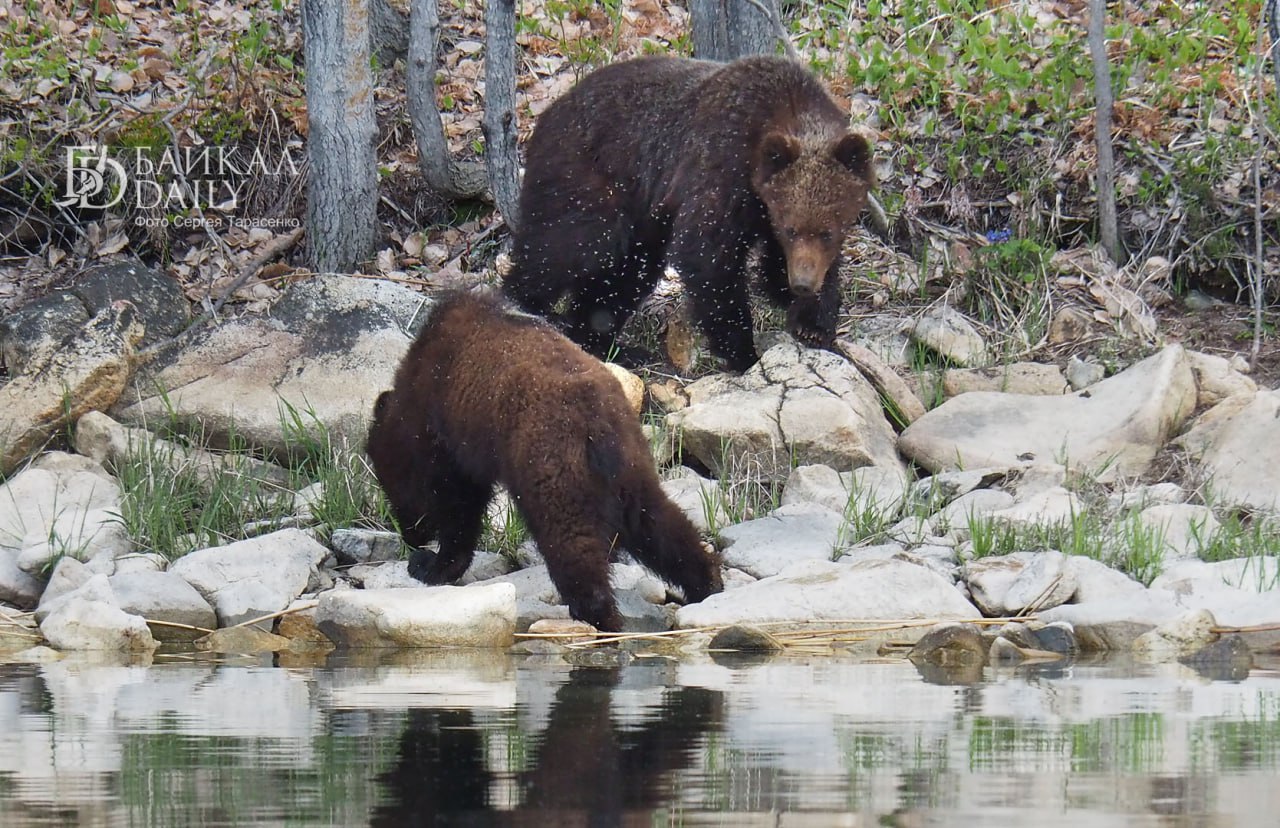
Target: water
pixel 486 739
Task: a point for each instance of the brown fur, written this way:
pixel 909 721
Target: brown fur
pixel 484 397
pixel 669 160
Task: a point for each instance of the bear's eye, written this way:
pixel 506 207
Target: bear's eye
pixel 826 235
pixel 790 232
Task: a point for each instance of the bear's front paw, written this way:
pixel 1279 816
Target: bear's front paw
pixel 812 336
pixel 422 564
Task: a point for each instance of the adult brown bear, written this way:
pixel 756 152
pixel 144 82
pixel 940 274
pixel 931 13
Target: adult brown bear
pixel 485 396
pixel 666 160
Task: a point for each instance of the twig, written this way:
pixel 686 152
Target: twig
pixel 300 608
pixel 1253 629
pixel 269 251
pixel 177 625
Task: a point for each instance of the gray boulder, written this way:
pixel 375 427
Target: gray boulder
pixel 765 546
pixel 254 577
pixel 329 347
pixel 1114 428
pixel 443 616
pixel 90 618
pixel 795 406
pixel 165 597
pixel 822 590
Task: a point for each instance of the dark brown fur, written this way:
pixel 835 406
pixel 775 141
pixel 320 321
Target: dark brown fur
pixel 484 397
pixel 674 161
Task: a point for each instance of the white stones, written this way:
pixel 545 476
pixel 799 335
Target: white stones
pixel 765 546
pixel 1182 529
pixel 822 590
pixel 252 577
pixel 164 597
pixel 1015 378
pixel 1111 429
pixel 1178 637
pixel 700 498
pixel 1216 379
pixel 89 618
pixel 796 405
pixel 1241 454
pixel 947 332
pixel 1009 584
pixel 444 616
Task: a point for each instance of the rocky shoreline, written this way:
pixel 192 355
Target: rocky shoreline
pixel 1013 515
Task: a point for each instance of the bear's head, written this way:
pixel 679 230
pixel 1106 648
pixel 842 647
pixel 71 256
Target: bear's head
pixel 814 192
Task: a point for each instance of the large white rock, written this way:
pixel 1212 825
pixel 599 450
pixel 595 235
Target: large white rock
pixel 1184 528
pixel 1114 428
pixel 330 346
pixel 822 590
pixel 89 618
pixel 796 406
pixel 869 490
pixel 1007 584
pixel 1015 378
pixel 946 331
pixel 699 498
pixel 1216 379
pixel 253 577
pixel 59 505
pixel 1241 456
pixel 167 597
pixel 443 616
pixel 87 372
pixel 765 546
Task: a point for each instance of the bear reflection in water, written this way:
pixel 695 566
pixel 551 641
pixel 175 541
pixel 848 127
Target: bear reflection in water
pixel 587 768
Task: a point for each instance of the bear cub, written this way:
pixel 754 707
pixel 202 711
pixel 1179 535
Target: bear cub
pixel 670 161
pixel 486 396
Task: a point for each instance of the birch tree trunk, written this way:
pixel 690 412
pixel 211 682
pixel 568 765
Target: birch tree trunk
pixel 499 123
pixel 452 180
pixel 342 188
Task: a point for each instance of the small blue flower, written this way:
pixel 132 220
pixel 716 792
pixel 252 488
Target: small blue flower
pixel 995 236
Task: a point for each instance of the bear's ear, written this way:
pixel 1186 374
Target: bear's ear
pixel 854 154
pixel 777 152
pixel 380 406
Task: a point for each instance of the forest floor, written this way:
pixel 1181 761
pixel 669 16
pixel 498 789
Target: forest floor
pixel 981 113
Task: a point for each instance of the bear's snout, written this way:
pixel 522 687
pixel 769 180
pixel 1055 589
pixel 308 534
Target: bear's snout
pixel 806 271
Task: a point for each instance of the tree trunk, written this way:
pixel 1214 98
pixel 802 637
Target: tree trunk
pixel 1108 224
pixel 500 108
pixel 342 191
pixel 389 28
pixel 450 179
pixel 728 29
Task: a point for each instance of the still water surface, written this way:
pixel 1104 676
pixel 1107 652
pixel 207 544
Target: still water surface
pixel 479 739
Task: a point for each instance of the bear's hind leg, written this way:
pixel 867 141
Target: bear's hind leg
pixel 607 299
pixel 578 563
pixel 659 535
